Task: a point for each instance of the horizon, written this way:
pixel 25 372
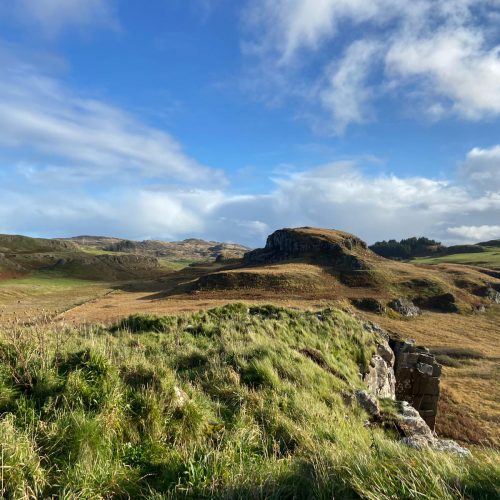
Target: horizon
pixel 227 121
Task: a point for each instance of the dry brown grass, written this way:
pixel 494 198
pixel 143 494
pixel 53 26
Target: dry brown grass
pixel 470 389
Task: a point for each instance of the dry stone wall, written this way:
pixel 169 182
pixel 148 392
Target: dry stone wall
pixel 417 378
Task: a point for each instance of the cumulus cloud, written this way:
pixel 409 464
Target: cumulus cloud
pixel 476 233
pixel 444 53
pixel 54 16
pixel 482 168
pixel 336 195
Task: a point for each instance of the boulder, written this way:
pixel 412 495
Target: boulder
pixel 404 307
pixel 491 294
pixel 419 435
pixel 369 304
pixel 417 378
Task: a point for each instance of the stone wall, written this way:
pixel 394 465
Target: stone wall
pixel 417 378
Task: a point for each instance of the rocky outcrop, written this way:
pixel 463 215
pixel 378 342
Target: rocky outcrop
pixel 331 247
pixel 417 434
pixel 417 378
pixel 409 375
pixel 404 307
pixel 445 302
pixel 490 293
pixel 380 375
pixel 369 304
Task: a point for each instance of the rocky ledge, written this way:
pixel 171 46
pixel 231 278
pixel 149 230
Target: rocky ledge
pixel 342 250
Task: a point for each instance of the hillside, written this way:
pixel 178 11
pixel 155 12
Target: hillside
pixel 237 402
pixel 331 264
pixel 22 256
pixel 423 250
pixel 190 250
pixel 482 255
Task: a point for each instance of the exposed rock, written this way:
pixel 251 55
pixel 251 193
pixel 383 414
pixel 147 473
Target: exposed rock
pixel 417 378
pixel 490 293
pixel 180 398
pixel 404 307
pixel 445 302
pixel 334 247
pixel 419 435
pixel 368 402
pixel 380 376
pixel 369 304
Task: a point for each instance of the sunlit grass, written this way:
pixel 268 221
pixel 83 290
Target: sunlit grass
pixel 217 404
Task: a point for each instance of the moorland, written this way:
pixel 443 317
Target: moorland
pixel 134 369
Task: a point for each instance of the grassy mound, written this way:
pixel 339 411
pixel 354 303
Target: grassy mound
pixel 235 402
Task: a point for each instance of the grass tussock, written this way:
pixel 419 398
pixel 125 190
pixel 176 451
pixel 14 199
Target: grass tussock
pixel 234 402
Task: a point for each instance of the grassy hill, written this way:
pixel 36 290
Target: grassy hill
pixel 487 256
pixel 221 404
pixel 328 264
pixel 189 250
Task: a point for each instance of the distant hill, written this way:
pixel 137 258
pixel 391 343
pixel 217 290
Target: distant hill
pixel 187 250
pixel 327 264
pixel 21 256
pixel 105 258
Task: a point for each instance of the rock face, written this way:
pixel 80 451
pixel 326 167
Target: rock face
pixel 417 379
pixel 380 376
pixel 331 247
pixel 410 375
pixel 404 307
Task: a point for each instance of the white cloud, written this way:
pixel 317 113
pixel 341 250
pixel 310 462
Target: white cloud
pixel 336 195
pixel 53 16
pixel 446 53
pixel 482 168
pixel 346 94
pixel 476 233
pixel 79 138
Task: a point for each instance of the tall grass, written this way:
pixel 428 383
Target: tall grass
pixel 228 403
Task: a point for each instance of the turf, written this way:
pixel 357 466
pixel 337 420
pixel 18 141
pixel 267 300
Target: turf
pixel 489 258
pixel 216 404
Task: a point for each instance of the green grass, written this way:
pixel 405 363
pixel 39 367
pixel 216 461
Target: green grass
pixel 47 280
pixel 489 258
pixel 218 404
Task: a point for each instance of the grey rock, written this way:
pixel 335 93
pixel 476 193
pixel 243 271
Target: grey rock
pixel 404 307
pixel 420 436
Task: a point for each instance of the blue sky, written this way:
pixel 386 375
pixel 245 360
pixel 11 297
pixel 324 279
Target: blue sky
pixel 227 120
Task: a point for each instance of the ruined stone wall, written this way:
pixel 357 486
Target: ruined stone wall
pixel 417 378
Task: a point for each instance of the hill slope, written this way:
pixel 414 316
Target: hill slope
pixel 22 256
pixel 186 250
pixel 311 262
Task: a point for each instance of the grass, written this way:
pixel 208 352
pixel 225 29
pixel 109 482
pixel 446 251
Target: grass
pixel 227 403
pixel 489 258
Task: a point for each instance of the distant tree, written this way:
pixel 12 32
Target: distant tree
pixel 407 248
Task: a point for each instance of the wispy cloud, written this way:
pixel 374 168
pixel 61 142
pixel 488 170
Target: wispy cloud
pixel 54 16
pixel 58 134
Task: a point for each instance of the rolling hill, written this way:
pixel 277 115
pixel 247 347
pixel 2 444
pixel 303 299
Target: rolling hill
pixel 320 263
pixel 189 250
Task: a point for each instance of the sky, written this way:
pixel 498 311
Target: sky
pixel 229 119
